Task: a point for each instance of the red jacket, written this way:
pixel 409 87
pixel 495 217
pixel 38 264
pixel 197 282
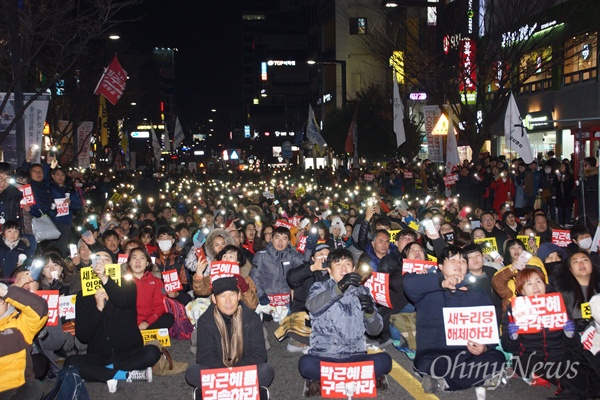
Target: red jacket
pixel 501 192
pixel 150 294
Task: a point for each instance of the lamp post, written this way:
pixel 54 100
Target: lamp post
pixel 343 66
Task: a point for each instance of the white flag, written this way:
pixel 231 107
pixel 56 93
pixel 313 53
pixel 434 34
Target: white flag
pixel 398 114
pixel 178 136
pixel 156 147
pixel 515 134
pixel 452 159
pixel 596 240
pixel 313 133
pixel 167 140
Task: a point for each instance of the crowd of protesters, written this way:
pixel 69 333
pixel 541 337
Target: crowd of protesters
pixel 299 238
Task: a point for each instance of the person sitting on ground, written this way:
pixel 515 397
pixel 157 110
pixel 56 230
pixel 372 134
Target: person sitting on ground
pixel 107 322
pixel 151 312
pixel 341 310
pixel 22 316
pixel 435 360
pixel 230 335
pixel 169 259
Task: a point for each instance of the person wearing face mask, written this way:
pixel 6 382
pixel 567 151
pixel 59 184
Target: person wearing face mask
pixel 552 257
pixel 582 240
pixel 168 258
pixel 547 184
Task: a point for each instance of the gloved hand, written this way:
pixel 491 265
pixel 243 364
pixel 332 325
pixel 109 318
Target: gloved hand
pixel 513 328
pixel 55 284
pixel 242 284
pixel 569 329
pixel 366 303
pixel 350 279
pixel 263 300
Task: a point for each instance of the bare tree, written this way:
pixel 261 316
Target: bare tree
pixel 519 40
pixel 42 40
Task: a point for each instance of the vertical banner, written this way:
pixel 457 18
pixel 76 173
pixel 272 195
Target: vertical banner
pixel 156 148
pixel 434 142
pixel 84 136
pixel 178 135
pixel 103 122
pixel 398 114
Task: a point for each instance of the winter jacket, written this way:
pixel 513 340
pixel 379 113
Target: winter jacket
pixel 114 330
pixel 172 261
pixel 564 285
pixel 9 257
pixel 503 191
pixel 150 295
pixel 270 268
pixel 503 281
pixel 191 260
pixel 10 208
pixel 426 291
pixel 300 279
pixel 338 322
pixel 26 315
pixel 75 205
pixel 210 351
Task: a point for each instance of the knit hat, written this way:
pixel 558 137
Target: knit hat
pixel 224 284
pixel 319 247
pixel 548 248
pixel 337 222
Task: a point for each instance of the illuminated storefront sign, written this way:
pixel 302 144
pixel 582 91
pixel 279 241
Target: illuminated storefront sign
pixel 467 61
pixel 281 63
pixel 538 121
pixel 263 71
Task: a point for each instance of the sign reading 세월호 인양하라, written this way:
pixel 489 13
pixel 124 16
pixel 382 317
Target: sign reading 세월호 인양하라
pixel 348 380
pixel 229 383
pixel 487 245
pixel 533 313
pixel 379 283
pixel 90 281
pixel 464 324
pixel 162 335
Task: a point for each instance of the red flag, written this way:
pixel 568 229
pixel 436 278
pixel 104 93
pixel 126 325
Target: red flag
pixel 112 83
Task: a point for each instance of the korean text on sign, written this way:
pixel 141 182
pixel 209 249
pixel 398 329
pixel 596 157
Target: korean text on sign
pixel 285 224
pixel 464 324
pixel 66 306
pixel 223 269
pixel 301 247
pixel 533 313
pixel 525 240
pixel 171 280
pixel 419 266
pixel 488 245
pixel 348 380
pixel 282 299
pixel 28 198
pixel 62 207
pixel 52 298
pixel 162 335
pixel 238 383
pixel 379 283
pixel 561 237
pixel 90 281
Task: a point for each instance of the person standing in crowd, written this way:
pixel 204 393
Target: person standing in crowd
pixel 563 187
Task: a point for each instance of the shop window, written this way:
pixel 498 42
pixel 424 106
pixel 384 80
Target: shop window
pixel 536 70
pixel 358 26
pixel 580 58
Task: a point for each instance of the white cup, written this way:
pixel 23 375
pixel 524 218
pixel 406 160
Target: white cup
pixel 112 385
pixel 54 274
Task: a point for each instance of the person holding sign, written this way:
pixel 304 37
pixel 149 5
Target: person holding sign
pixel 547 352
pixel 22 316
pixel 67 204
pixel 230 335
pixel 341 310
pixel 107 322
pixel 488 223
pixel 438 363
pixel 151 313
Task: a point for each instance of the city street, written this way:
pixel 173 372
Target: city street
pixel 289 385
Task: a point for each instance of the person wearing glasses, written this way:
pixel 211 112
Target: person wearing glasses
pixel 488 223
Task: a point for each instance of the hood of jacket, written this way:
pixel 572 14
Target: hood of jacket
pixel 208 246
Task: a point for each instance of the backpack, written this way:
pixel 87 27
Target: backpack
pixel 68 386
pixel 182 327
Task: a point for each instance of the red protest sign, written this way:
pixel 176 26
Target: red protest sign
pixel 223 269
pixel 122 258
pixel 348 380
pixel 112 83
pixel 379 283
pixel 368 177
pixel 418 266
pixel 282 299
pixel 283 223
pixel 28 198
pixel 561 237
pixel 464 324
pixel 172 281
pixel 450 180
pixel 295 221
pixel 230 383
pixel 62 207
pixel 533 313
pixel 301 246
pixel 408 175
pixel 52 298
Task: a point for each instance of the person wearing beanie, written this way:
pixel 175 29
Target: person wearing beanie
pixel 230 335
pixel 552 257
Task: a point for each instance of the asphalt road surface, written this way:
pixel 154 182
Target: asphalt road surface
pixel 288 384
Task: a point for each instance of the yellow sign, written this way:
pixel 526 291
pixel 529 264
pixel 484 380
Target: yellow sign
pixel 431 258
pixel 116 197
pixel 300 192
pixel 90 282
pixel 413 225
pixel 441 126
pixel 162 335
pixel 393 235
pixel 487 245
pixel 525 240
pixel 586 311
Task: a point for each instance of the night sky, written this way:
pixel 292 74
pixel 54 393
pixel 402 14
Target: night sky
pixel 207 36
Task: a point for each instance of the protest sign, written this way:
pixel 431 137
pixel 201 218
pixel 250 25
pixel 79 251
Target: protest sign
pixel 476 324
pixel 410 266
pixel 282 299
pixel 237 383
pixel 533 313
pixel 525 240
pixel 348 380
pixel 301 246
pixel 283 223
pixel 223 269
pixel 488 245
pixel 162 335
pixel 28 198
pixel 122 258
pixel 62 207
pixel 561 237
pixel 66 306
pixel 90 281
pixel 379 283
pixel 52 298
pixel 171 280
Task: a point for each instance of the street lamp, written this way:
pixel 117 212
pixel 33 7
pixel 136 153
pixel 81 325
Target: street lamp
pixel 343 65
